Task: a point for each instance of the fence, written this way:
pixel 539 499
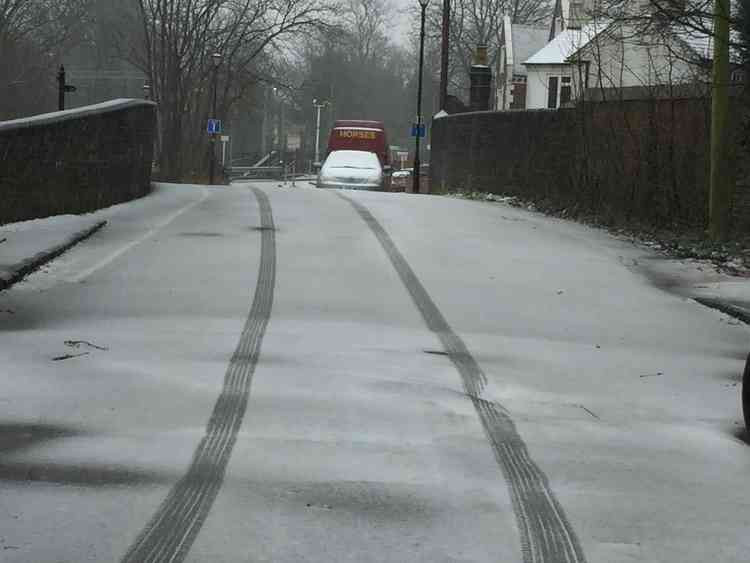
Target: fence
pixel 638 160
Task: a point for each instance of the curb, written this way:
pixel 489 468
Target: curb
pixel 39 260
pixel 726 308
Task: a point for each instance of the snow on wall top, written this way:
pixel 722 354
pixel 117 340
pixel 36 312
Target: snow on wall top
pixel 68 114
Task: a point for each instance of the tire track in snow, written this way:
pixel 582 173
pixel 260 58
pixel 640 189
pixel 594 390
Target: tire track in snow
pixel 545 533
pixel 172 530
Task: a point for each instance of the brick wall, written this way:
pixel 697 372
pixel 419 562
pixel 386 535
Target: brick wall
pixel 75 161
pixel 643 161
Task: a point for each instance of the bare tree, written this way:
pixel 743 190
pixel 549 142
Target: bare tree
pixel 175 44
pixel 365 24
pixel 33 36
pixel 355 66
pixel 478 22
pixel 690 17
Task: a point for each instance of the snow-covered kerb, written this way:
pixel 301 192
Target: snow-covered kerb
pixel 77 160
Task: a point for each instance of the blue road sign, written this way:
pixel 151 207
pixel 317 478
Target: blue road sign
pixel 417 130
pixel 214 126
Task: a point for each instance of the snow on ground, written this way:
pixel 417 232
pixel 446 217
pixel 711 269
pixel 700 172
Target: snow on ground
pixel 26 240
pixel 626 393
pixel 359 442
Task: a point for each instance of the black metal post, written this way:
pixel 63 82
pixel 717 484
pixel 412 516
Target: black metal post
pixel 212 165
pixel 61 88
pixel 444 52
pixel 415 175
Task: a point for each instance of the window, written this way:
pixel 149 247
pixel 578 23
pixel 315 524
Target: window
pixel 552 92
pixel 566 90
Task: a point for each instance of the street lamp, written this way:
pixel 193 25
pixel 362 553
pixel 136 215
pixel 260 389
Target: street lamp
pixel 318 107
pixel 278 108
pixel 415 175
pixel 216 58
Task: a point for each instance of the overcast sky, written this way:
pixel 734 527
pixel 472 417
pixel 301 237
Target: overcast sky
pixel 401 27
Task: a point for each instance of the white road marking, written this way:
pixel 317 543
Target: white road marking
pixel 122 250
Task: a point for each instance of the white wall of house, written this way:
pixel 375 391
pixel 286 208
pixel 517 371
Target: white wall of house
pixel 615 59
pixel 517 43
pixel 538 84
pixel 619 64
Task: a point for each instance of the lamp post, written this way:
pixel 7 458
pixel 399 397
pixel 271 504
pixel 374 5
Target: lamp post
pixel 275 129
pixel 216 58
pixel 415 175
pixel 318 107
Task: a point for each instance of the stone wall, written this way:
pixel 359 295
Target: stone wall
pixel 76 161
pixel 642 161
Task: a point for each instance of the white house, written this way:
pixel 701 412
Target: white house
pixel 517 43
pixel 608 55
pixel 621 57
pixel 549 75
pixel 549 71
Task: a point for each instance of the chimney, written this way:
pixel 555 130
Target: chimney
pixel 480 76
pixel 480 56
pixel 577 14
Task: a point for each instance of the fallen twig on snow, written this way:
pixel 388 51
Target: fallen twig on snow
pixel 652 374
pixel 77 344
pixel 588 411
pixel 69 356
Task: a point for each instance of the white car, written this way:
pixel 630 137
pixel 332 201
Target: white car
pixel 356 170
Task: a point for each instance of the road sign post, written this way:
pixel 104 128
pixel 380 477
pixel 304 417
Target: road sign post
pixel 403 156
pixel 62 88
pixel 224 141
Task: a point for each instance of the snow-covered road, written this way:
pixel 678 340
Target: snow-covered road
pixel 438 381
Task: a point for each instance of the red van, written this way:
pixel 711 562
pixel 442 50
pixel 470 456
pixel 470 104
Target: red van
pixel 360 135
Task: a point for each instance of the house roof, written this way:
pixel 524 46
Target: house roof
pixel 566 44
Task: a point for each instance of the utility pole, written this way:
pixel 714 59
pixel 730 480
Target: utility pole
pixel 263 124
pixel 721 189
pixel 444 52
